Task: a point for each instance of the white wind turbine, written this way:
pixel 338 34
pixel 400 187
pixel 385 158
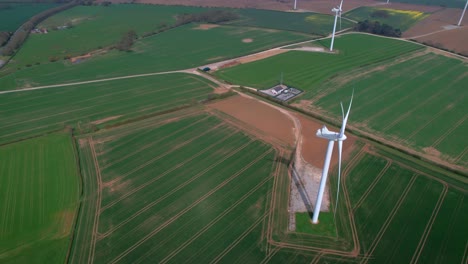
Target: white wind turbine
pixel 463 13
pixel 332 137
pixel 295 4
pixel 337 11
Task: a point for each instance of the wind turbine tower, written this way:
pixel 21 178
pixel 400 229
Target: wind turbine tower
pixel 331 137
pixel 295 4
pixel 463 13
pixel 388 1
pixel 337 11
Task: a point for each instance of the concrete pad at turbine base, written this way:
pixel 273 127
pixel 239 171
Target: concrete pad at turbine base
pixel 305 182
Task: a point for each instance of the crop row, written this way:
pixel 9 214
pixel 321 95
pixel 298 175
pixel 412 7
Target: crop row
pixel 420 101
pixel 203 192
pixel 39 190
pixel 307 70
pixel 32 112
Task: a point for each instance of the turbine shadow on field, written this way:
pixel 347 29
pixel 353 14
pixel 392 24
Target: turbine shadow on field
pixel 302 190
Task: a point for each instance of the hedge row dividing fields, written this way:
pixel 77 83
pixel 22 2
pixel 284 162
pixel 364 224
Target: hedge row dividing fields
pixel 392 202
pixel 307 70
pixel 421 102
pixel 84 106
pixel 190 190
pixel 180 48
pixel 39 192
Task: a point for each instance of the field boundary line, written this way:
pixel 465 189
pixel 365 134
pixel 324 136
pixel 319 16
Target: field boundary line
pixel 98 201
pixel 428 228
pixel 148 206
pixel 371 187
pixel 91 81
pixel 270 255
pixel 182 212
pixel 389 219
pixel 214 221
pixel 457 159
pixel 153 143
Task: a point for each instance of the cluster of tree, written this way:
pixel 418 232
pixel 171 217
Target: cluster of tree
pixel 4 36
pixel 375 27
pixel 211 16
pixel 126 42
pixel 17 39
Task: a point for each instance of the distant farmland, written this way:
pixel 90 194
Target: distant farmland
pixel 39 192
pixel 86 106
pixel 420 102
pixel 307 70
pixel 13 15
pixel 311 23
pixel 162 52
pixel 197 188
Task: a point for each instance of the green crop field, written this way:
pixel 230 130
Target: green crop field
pixel 194 189
pixel 311 23
pixel 162 52
pixel 84 106
pixel 13 15
pixel 420 102
pixel 307 70
pixel 401 19
pixel 392 201
pixel 93 27
pixel 39 191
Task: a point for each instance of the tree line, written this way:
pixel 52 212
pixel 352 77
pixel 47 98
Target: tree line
pixel 375 27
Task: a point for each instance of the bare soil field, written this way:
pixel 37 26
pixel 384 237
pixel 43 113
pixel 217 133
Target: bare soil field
pixel 439 30
pixel 260 116
pixel 313 148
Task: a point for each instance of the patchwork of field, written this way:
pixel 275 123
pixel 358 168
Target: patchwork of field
pixel 86 106
pixel 311 23
pixel 398 19
pixel 188 189
pixel 91 28
pixel 419 102
pixel 162 52
pixel 13 15
pixel 39 192
pixel 307 70
pixel 188 186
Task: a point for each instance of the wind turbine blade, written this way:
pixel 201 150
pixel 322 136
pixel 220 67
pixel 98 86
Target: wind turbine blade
pixel 340 148
pixel 340 19
pixel 341 5
pixel 345 118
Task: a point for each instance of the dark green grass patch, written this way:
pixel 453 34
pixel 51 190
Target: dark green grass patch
pixel 326 226
pixel 166 51
pixel 311 23
pixel 29 113
pixel 307 70
pixel 39 189
pixel 398 19
pixel 13 15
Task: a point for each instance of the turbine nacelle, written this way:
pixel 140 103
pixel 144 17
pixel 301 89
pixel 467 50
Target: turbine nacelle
pixel 330 135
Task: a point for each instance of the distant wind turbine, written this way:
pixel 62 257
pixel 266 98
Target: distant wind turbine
pixel 463 13
pixel 332 137
pixel 337 11
pixel 388 1
pixel 295 4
